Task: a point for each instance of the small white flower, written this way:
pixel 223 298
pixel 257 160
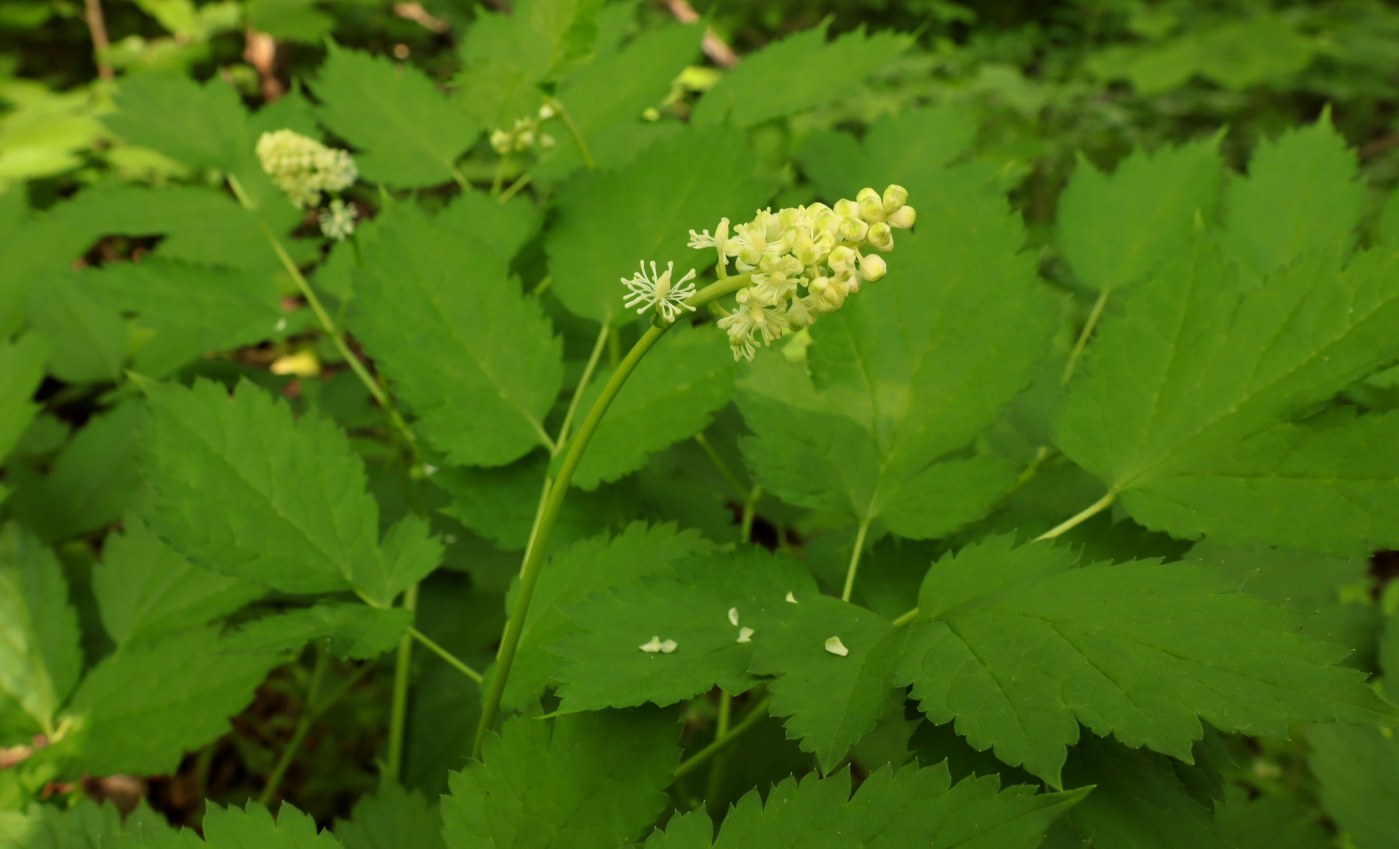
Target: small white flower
pixel 733 616
pixel 836 647
pixel 280 326
pixel 745 635
pixel 338 220
pixel 659 292
pixel 790 599
pixel 667 646
pixel 651 646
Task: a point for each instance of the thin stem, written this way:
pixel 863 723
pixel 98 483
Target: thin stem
pixel 97 26
pixel 458 175
pixel 499 179
pixel 1082 341
pixel 614 347
pixel 721 729
pixel 577 135
pixel 451 659
pixel 753 717
pixel 588 368
pixel 741 491
pixel 855 560
pixel 398 714
pixel 750 510
pixel 534 553
pixel 328 325
pixel 298 735
pixel 906 618
pixel 515 187
pixel 542 285
pixel 1080 517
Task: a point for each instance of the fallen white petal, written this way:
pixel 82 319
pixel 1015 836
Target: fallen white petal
pixel 790 599
pixel 836 647
pixel 668 646
pixel 733 616
pixel 745 635
pixel 651 647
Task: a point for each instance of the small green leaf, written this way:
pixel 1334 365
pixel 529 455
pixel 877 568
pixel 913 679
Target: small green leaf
pixel 407 133
pixel 21 369
pixel 830 701
pixel 354 631
pixel 474 358
pixel 39 654
pixel 604 663
pixel 528 794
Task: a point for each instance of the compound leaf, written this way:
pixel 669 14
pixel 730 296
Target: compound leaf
pixel 407 132
pixel 1019 647
pixel 527 794
pixel 474 358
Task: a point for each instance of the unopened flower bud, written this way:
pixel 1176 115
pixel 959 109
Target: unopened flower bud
pixel 881 236
pixel 873 267
pixel 866 194
pixel 547 111
pixel 872 208
pixel 501 141
pixel 854 230
pixel 546 141
pixel 903 217
pixel 847 208
pixel 895 197
pixel 841 259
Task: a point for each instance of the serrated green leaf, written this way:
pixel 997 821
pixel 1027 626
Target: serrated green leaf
pixel 672 395
pixel 254 828
pixel 765 86
pixel 906 375
pixel 141 708
pixel 1138 800
pixel 688 181
pixel 587 567
pixel 240 487
pixel 146 590
pixel 604 665
pixel 830 701
pixel 87 339
pixel 202 125
pixel 1357 768
pixel 406 132
pixel 39 654
pixel 1269 822
pixel 90 483
pixel 498 228
pixel 1115 229
pixel 1181 405
pixel 84 826
pixel 188 310
pixel 353 631
pixel 1388 227
pixel 911 807
pixel 289 20
pixel 409 552
pixel 21 369
pixel 1019 647
pixel 527 794
pixel 911 148
pixel 474 358
pixel 391 818
pixel 1301 195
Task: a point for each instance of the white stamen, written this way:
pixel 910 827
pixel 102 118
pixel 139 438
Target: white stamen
pixel 733 616
pixel 836 647
pixel 651 647
pixel 745 635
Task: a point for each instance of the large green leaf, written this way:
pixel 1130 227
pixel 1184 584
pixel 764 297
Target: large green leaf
pixel 390 818
pixel 604 663
pixel 87 338
pixel 352 631
pixel 1184 404
pixel 590 781
pixel 39 654
pixel 1020 647
pixel 912 148
pixel 254 828
pixel 911 807
pixel 475 359
pixel 906 375
pixel 611 220
pixel 407 132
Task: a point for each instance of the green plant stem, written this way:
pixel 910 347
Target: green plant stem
pixel 1080 517
pixel 906 618
pixel 1082 341
pixel 721 730
pixel 398 714
pixel 499 179
pixel 337 337
pixel 855 560
pixel 515 187
pixel 451 659
pixel 755 715
pixel 583 380
pixel 458 176
pixel 750 510
pixel 740 491
pixel 534 552
pixel 298 735
pixel 577 135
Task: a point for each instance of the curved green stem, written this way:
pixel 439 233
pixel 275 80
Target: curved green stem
pixel 755 715
pixel 576 133
pixel 855 560
pixel 1082 341
pixel 1080 517
pixel 534 552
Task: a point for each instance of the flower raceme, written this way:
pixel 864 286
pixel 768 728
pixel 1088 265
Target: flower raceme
pixel 802 261
pixel 304 168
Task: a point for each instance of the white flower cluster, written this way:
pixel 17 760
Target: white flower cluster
pixel 303 167
pixel 526 134
pixel 804 261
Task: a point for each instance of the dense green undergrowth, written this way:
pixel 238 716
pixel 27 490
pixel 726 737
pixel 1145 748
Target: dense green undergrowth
pixel 352 499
